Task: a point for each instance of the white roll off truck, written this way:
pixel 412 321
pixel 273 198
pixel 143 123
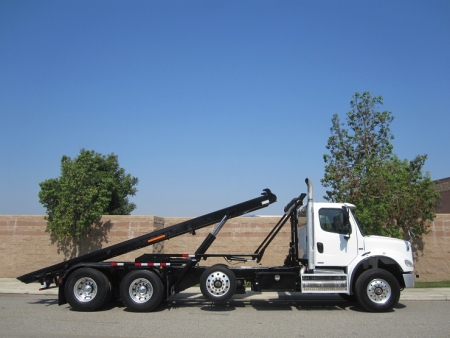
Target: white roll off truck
pixel 327 253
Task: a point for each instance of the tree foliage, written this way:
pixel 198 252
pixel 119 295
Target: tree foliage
pixel 393 197
pixel 91 185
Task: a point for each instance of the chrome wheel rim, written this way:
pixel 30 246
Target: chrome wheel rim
pixel 379 291
pixel 85 289
pixel 140 290
pixel 218 283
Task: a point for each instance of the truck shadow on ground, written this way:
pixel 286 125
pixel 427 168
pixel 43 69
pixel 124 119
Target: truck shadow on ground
pixel 46 302
pixel 265 305
pixel 174 304
pixel 260 305
pixel 54 302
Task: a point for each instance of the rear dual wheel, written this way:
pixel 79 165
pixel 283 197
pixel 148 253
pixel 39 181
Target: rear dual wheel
pixel 87 289
pixel 141 290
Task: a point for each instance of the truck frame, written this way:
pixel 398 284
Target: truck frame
pixel 327 254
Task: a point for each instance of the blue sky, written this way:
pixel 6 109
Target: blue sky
pixel 209 102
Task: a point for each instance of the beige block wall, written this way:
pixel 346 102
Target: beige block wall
pixel 26 247
pixel 433 263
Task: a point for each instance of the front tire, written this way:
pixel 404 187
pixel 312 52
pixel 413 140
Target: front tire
pixel 141 290
pixel 218 283
pixel 87 289
pixel 377 290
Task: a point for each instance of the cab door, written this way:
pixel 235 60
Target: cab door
pixel 335 244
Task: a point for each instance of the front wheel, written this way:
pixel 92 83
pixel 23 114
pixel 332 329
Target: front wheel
pixel 141 290
pixel 87 289
pixel 377 290
pixel 218 283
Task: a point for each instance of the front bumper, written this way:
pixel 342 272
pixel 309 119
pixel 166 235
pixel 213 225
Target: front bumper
pixel 409 279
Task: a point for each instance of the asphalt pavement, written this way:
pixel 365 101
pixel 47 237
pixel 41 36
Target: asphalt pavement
pixel 14 286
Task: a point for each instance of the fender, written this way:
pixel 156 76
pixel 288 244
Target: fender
pixel 370 261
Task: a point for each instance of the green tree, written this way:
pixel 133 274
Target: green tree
pixel 91 185
pixel 393 197
pixel 354 152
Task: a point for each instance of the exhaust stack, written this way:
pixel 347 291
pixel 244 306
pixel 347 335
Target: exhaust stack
pixel 309 226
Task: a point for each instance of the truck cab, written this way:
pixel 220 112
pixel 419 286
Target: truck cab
pixel 337 257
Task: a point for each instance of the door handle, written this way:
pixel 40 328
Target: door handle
pixel 320 247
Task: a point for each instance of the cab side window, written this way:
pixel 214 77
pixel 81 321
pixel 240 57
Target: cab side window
pixel 332 220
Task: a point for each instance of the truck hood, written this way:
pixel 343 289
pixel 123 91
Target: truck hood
pixel 380 243
pixel 397 249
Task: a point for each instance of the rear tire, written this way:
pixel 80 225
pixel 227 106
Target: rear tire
pixel 218 283
pixel 87 289
pixel 377 290
pixel 141 290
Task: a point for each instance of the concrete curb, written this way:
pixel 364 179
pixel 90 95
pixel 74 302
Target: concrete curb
pixel 426 294
pixel 14 286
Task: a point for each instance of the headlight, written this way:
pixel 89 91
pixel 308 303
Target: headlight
pixel 408 263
